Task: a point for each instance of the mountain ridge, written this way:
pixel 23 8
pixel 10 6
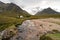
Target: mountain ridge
pixel 11 9
pixel 47 11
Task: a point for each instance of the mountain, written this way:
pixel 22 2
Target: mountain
pixel 11 9
pixel 1 3
pixel 47 11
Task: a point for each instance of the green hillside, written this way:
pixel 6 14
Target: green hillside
pixel 6 22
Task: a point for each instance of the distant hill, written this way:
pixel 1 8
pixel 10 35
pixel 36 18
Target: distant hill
pixel 47 11
pixel 11 9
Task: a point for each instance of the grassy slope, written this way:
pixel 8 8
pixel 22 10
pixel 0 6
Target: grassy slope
pixel 46 16
pixel 6 22
pixel 55 36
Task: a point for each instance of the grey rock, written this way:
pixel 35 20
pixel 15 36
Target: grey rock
pixel 33 30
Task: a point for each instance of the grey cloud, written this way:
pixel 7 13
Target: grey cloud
pixel 6 1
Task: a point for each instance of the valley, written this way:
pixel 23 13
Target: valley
pixel 17 24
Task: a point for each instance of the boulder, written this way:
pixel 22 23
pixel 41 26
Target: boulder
pixel 32 30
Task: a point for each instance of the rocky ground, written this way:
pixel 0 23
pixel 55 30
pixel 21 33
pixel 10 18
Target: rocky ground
pixel 33 29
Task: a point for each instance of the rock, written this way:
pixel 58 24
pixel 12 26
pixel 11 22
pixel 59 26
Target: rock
pixel 8 33
pixel 0 36
pixel 33 30
pixel 28 31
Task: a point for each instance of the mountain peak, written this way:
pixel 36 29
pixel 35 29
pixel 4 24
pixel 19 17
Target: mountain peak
pixel 47 11
pixel 49 8
pixel 12 4
pixel 11 9
pixel 1 3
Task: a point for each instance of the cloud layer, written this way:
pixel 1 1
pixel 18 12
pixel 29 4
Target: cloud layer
pixel 5 1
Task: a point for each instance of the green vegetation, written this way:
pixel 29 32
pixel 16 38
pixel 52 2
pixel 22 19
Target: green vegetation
pixel 45 38
pixel 55 36
pixel 55 31
pixel 46 16
pixel 7 21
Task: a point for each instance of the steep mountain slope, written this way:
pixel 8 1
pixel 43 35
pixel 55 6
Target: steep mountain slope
pixel 47 11
pixel 11 9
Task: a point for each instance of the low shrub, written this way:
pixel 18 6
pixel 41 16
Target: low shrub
pixel 45 38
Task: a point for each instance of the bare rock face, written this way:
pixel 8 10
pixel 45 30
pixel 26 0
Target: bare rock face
pixel 33 29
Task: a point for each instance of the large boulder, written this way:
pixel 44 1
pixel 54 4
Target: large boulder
pixel 34 29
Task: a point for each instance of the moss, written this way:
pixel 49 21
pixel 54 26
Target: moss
pixel 45 38
pixel 56 31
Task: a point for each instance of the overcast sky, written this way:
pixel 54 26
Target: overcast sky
pixel 30 5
